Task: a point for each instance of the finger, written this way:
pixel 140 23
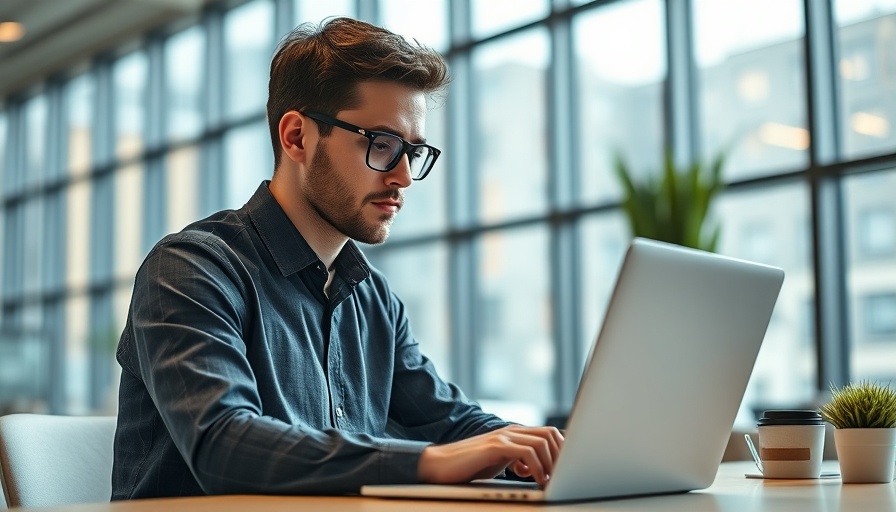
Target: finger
pixel 557 439
pixel 528 457
pixel 520 469
pixel 552 434
pixel 533 451
pixel 547 438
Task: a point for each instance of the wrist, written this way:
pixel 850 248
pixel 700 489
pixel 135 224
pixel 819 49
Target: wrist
pixel 427 464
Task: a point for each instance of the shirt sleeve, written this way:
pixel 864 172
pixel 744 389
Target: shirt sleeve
pixel 424 406
pixel 187 317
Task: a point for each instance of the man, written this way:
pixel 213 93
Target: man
pixel 261 353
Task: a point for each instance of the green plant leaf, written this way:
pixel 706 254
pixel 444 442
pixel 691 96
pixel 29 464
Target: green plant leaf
pixel 863 404
pixel 672 205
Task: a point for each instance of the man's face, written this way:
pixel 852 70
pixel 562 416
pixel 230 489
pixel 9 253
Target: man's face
pixel 352 198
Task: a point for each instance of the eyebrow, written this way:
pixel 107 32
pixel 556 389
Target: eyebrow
pixel 388 129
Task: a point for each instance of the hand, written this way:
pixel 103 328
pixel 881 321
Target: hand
pixel 528 451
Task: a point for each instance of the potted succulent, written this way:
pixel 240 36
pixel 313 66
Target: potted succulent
pixel 864 416
pixel 673 206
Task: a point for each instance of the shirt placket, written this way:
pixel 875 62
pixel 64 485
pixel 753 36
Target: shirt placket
pixel 335 373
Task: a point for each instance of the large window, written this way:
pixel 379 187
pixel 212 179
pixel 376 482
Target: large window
pixel 424 22
pixel 504 257
pixel 184 83
pixel 493 16
pixel 511 142
pixel 870 216
pixel 130 74
pixel 249 43
pixel 866 36
pixel 620 93
pixel 752 83
pixel 417 276
pixel 515 353
pixel 777 234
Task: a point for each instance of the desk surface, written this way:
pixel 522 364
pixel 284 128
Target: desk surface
pixel 731 492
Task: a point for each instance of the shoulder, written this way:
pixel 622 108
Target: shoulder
pixel 217 235
pixel 209 251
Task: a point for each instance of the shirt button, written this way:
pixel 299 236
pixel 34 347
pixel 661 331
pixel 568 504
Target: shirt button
pixel 339 412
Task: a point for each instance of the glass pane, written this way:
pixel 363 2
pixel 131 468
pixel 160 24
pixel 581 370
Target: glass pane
pixel 130 76
pixel 511 149
pixel 23 370
pixel 249 161
pixel 249 43
pixel 128 221
pixel 866 37
pixel 515 352
pixel 102 243
pixel 419 276
pixel 3 151
pixel 426 22
pixel 315 11
pixel 620 93
pixel 77 356
pixel 871 222
pixel 182 166
pixel 13 236
pixel 53 236
pixel 184 65
pixel 493 16
pixel 16 137
pixel 78 234
pixel 752 99
pixel 79 103
pixel 424 205
pixel 777 234
pixel 33 252
pixel 35 150
pixel 604 239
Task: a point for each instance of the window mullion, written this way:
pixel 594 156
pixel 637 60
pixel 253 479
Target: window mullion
pixel 829 241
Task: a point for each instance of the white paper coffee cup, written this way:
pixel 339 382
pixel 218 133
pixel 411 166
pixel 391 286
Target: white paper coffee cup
pixel 791 444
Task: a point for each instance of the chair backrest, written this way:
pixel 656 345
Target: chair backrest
pixel 48 460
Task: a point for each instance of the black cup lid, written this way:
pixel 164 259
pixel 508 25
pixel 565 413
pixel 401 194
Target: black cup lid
pixel 790 417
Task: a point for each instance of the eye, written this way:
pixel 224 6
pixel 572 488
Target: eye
pixel 384 145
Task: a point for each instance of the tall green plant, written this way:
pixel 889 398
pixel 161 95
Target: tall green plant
pixel 673 206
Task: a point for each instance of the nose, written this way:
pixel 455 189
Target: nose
pixel 400 175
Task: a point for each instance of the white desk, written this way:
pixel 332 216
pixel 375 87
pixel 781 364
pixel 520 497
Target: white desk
pixel 731 492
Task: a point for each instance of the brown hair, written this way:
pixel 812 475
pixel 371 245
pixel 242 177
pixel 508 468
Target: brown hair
pixel 318 68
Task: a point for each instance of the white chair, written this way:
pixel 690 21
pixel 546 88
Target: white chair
pixel 48 460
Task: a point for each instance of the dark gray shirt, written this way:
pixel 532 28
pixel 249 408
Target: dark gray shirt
pixel 239 375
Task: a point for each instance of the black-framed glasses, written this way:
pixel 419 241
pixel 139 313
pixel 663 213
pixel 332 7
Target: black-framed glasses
pixel 384 149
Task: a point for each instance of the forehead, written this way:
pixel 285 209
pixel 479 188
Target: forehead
pixel 389 105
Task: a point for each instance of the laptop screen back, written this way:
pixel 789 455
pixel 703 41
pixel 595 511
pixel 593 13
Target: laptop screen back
pixel 667 373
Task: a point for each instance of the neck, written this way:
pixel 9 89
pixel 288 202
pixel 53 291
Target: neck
pixel 323 238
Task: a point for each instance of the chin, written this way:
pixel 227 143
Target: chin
pixel 375 235
pixel 379 237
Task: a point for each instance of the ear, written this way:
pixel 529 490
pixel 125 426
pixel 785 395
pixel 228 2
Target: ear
pixel 297 135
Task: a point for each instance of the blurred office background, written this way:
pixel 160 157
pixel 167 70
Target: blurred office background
pixel 122 121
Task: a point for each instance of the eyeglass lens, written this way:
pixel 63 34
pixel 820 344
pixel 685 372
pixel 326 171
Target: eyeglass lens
pixel 386 150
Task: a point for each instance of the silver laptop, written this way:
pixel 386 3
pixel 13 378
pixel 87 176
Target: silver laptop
pixel 663 384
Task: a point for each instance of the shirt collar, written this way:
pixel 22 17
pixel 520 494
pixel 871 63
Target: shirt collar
pixel 286 245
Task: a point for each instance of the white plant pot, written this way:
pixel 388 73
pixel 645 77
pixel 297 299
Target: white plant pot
pixel 867 455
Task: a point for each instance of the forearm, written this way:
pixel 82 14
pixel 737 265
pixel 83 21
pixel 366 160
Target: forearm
pixel 245 453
